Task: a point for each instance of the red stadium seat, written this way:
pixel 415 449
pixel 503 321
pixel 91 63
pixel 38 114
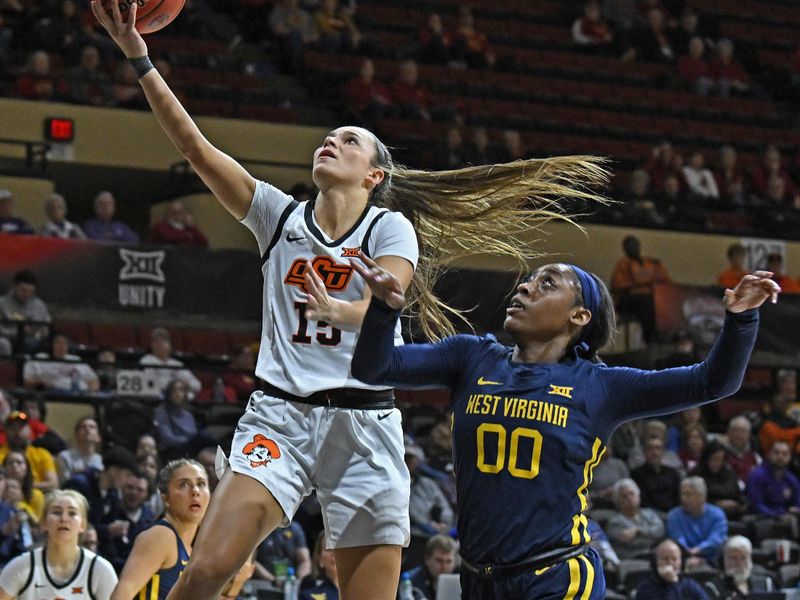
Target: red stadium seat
pixel 8 373
pixel 114 335
pixel 206 342
pixel 78 332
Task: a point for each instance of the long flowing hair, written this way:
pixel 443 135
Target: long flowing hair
pixel 487 209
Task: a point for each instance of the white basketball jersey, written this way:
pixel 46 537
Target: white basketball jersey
pixel 298 355
pixel 93 574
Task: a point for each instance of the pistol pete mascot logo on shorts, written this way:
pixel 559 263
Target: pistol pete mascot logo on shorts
pixel 261 451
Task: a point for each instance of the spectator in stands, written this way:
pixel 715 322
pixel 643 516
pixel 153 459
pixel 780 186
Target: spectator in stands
pixel 722 482
pixel 293 28
pixel 177 228
pixel 30 499
pixel 771 165
pixel 126 91
pixel 479 150
pixel 632 529
pixel 684 352
pixel 103 227
pixel 699 179
pixel 234 586
pixel 41 435
pixel 639 203
pixel 736 270
pixel 88 82
pixel 667 581
pixel 283 548
pixel 41 463
pixel 106 369
pixel 632 282
pixel 670 200
pixel 335 27
pixel 775 265
pixel 772 489
pixel 146 445
pixel 22 305
pixel 412 100
pixel 11 539
pixel 178 432
pixel 693 69
pixel 368 100
pixel 740 579
pixel 207 457
pixel 8 222
pixel 439 559
pixel 324 579
pixel 57 225
pixel 163 367
pixel 729 75
pixel 60 34
pixel 470 46
pixel 693 441
pixel 685 418
pixel 132 511
pixel 778 424
pixel 60 371
pixel 698 527
pixel 591 29
pixel 149 466
pixel 429 509
pixel 654 42
pixel 39 82
pixel 438 446
pixel 452 154
pixel 740 453
pixel 101 489
pixel 239 375
pixel 731 179
pixel 662 162
pixel 689 27
pixel 433 42
pixel 659 484
pixel 513 148
pixel 84 453
pixel 89 538
pixel 655 428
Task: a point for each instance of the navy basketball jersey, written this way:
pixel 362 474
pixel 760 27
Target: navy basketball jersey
pixel 164 579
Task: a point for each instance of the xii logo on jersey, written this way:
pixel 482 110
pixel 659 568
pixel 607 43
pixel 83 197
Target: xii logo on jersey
pixel 560 390
pixel 334 275
pixel 350 252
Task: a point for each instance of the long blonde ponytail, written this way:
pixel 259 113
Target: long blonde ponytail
pixel 489 209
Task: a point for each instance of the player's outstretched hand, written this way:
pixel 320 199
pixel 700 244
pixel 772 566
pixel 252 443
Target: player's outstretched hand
pixel 122 32
pixel 751 292
pixel 382 283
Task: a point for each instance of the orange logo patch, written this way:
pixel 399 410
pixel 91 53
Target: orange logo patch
pixel 334 275
pixel 77 590
pixel 261 451
pixel 350 252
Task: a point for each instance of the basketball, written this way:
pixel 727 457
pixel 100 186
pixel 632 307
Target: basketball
pixel 151 15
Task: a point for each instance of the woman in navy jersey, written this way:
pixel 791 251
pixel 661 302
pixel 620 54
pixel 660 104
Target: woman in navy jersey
pixel 530 422
pixel 160 553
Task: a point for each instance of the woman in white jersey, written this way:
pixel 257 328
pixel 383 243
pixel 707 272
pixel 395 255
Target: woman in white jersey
pixel 62 568
pixel 314 426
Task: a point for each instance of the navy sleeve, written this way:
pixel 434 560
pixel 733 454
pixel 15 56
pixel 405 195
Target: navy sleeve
pixel 377 360
pixel 633 393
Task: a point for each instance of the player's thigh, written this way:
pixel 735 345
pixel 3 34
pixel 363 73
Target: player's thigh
pixel 368 572
pixel 362 481
pixel 242 512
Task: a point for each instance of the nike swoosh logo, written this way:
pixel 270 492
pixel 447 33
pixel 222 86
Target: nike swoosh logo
pixel 482 381
pixel 291 238
pixel 383 416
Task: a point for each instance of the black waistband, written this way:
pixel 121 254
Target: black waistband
pixel 341 398
pixel 529 565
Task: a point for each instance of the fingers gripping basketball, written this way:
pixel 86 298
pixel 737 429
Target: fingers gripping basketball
pixel 151 15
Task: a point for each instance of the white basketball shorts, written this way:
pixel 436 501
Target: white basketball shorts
pixel 353 458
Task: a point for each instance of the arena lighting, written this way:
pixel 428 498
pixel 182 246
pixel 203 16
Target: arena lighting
pixel 59 129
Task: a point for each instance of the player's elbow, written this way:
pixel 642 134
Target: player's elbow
pixel 364 371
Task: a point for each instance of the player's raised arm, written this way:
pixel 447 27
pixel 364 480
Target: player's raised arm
pixel 230 183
